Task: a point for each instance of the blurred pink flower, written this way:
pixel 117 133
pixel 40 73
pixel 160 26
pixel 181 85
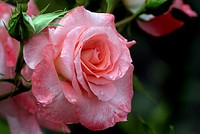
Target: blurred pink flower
pixel 163 24
pixel 19 111
pixel 32 9
pixel 9 48
pixel 82 71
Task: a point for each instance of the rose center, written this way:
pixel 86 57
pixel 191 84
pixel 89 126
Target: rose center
pixel 93 52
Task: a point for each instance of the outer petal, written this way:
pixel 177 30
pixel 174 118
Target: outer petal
pixel 11 46
pixel 72 20
pixel 26 101
pixel 33 49
pixel 47 89
pixel 5 13
pixel 98 115
pixel 45 86
pixel 60 110
pixel 32 8
pixel 52 125
pixel 20 121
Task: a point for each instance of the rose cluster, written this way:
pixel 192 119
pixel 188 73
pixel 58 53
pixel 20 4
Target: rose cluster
pixel 80 71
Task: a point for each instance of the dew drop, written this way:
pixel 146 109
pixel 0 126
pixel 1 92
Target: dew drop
pixel 73 100
pixel 102 93
pixel 113 120
pixel 44 105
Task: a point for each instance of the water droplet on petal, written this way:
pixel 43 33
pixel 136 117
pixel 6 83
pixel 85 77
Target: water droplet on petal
pixel 73 100
pixel 102 93
pixel 113 120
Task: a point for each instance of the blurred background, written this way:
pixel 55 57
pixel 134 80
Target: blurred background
pixel 166 77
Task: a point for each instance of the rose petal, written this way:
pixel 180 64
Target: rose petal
pixel 60 110
pixel 103 92
pixel 72 20
pixel 26 101
pixel 19 120
pixel 33 49
pixel 98 115
pixel 60 127
pixel 32 8
pixel 45 86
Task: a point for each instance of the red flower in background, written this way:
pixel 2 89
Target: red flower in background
pixel 162 24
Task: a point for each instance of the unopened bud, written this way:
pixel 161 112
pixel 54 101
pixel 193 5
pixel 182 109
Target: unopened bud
pixel 20 26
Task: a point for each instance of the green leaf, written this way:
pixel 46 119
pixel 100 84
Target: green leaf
pixel 55 5
pixel 135 125
pixel 4 129
pixel 138 86
pixel 43 20
pixel 171 131
pixel 44 10
pixel 157 7
pixel 145 125
pixel 2 74
pixel 159 116
pixel 27 26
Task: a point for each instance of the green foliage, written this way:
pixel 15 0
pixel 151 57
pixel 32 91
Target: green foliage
pixel 55 5
pixel 171 131
pixel 157 7
pixel 20 26
pixel 138 86
pixel 43 20
pixel 81 2
pixel 111 4
pixel 2 74
pixel 22 5
pixel 4 129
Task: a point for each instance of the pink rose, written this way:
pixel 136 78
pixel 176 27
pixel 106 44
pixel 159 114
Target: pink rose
pixel 32 9
pixel 9 48
pixel 82 71
pixel 163 24
pixel 19 111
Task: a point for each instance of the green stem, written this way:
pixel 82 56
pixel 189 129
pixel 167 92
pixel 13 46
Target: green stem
pixel 17 80
pixel 20 60
pixel 7 80
pixel 21 88
pixel 132 17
